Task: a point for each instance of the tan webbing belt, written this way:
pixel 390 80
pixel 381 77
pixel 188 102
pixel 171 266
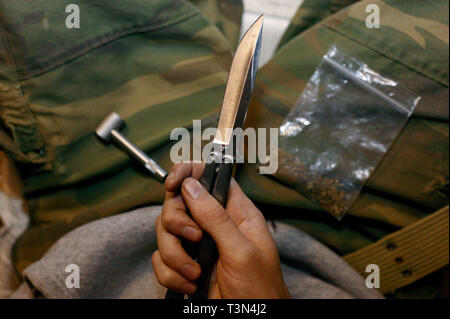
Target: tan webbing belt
pixel 408 254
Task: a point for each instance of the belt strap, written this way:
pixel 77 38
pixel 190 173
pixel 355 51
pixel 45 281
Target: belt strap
pixel 408 254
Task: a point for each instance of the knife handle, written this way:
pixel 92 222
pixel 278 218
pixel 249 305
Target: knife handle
pixel 208 254
pixel 222 183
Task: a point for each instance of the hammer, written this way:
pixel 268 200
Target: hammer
pixel 108 131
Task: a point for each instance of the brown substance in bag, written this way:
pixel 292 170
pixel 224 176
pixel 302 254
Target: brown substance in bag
pixel 322 190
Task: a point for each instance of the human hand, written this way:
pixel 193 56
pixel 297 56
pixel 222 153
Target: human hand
pixel 248 265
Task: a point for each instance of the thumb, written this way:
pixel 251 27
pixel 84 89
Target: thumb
pixel 212 217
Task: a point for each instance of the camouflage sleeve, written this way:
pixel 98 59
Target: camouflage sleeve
pixel 310 13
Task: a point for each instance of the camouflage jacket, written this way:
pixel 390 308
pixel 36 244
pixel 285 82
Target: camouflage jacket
pixel 161 64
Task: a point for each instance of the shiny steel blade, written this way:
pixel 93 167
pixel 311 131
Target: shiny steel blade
pixel 240 83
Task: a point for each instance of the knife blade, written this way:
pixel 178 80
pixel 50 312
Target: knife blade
pixel 240 83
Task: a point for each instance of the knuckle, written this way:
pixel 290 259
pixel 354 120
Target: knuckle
pixel 182 166
pixel 169 256
pixel 164 278
pixel 162 275
pixel 166 219
pixel 173 223
pixel 176 166
pixel 174 218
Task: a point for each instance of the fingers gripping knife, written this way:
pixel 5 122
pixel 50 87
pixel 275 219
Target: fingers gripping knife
pixel 217 174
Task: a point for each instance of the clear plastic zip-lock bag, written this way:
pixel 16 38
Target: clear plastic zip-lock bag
pixel 339 130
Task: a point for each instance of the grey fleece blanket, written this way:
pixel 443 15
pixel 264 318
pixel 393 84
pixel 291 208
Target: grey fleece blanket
pixel 113 256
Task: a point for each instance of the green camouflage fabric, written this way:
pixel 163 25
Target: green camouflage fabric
pixel 161 64
pixel 310 13
pixel 225 15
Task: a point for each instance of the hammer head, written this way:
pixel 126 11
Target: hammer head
pixel 112 122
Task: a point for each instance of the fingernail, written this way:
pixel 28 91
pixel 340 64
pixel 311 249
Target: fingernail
pixel 189 288
pixel 189 271
pixel 191 233
pixel 193 188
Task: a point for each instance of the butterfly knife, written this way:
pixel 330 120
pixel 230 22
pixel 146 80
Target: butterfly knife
pixel 217 174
